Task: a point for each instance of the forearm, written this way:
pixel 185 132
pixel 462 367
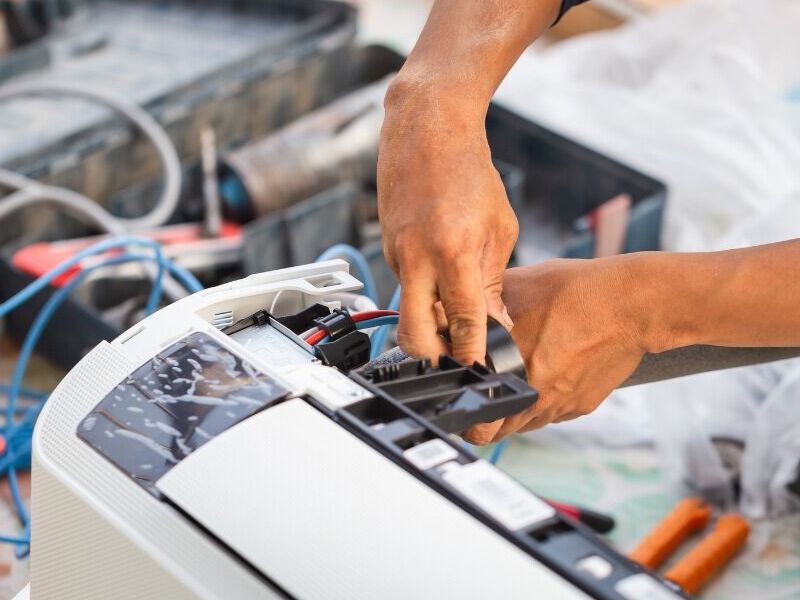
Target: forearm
pixel 465 51
pixel 748 297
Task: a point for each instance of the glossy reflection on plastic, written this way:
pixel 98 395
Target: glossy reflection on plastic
pixel 173 404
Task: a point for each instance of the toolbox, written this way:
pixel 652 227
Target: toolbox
pixel 245 67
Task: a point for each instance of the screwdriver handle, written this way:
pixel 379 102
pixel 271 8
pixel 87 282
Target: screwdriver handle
pixel 695 569
pixel 688 516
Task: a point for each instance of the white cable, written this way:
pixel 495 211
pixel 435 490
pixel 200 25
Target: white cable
pixel 76 203
pixel 78 206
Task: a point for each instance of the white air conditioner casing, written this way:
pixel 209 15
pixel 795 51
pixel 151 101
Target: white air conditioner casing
pixel 286 502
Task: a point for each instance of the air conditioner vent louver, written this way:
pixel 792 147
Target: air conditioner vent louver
pixel 222 319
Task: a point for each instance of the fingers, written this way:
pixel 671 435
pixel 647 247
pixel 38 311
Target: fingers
pixel 482 434
pixel 462 294
pixel 417 332
pixel 493 266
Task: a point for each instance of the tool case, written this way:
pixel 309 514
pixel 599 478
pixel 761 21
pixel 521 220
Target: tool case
pixel 245 67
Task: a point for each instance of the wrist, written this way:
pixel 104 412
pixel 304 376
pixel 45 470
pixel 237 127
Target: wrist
pixel 416 98
pixel 666 300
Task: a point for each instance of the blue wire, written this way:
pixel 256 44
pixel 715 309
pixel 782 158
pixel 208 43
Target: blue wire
pixel 41 321
pixel 379 339
pixel 154 299
pixel 498 450
pixel 13 484
pixel 54 302
pixel 23 392
pixel 369 324
pixel 104 246
pixel 13 540
pixel 359 261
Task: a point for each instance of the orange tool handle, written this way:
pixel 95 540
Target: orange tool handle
pixel 695 569
pixel 688 516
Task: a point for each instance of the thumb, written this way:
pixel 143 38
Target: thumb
pixel 496 308
pixel 484 433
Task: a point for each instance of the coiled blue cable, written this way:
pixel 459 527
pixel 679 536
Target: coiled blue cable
pixel 18 435
pixel 42 282
pixel 52 304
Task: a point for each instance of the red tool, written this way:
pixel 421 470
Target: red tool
pixel 597 521
pixel 184 244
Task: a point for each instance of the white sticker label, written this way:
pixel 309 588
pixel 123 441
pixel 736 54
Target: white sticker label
pixel 327 385
pixel 644 587
pixel 499 495
pixel 430 454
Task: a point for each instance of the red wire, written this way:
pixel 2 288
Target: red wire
pixel 318 336
pixel 373 314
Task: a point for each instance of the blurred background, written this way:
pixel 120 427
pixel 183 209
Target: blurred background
pixel 242 136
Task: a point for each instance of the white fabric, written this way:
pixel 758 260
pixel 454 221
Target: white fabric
pixel 705 97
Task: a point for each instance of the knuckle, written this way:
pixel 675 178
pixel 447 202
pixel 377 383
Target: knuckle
pixel 508 230
pixel 452 245
pixel 480 435
pixel 391 257
pixel 465 325
pixel 412 343
pixel 406 246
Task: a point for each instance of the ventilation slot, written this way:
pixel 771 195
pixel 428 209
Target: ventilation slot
pixel 222 319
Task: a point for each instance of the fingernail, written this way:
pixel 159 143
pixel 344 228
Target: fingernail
pixel 507 319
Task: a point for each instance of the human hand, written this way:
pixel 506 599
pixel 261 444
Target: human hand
pixel 582 327
pixel 448 228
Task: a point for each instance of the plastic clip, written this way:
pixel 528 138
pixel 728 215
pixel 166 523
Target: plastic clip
pixel 257 318
pixel 350 351
pixel 337 324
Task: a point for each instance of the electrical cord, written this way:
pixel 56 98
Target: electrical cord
pixel 189 280
pixel 498 450
pixel 18 435
pixel 77 204
pixel 52 304
pixel 23 392
pixel 320 337
pixel 356 316
pixel 379 339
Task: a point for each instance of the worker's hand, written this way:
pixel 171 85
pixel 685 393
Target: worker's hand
pixel 582 327
pixel 448 228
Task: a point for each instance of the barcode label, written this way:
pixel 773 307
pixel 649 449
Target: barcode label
pixel 430 454
pixel 499 495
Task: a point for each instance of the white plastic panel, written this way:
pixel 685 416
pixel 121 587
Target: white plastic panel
pixel 326 516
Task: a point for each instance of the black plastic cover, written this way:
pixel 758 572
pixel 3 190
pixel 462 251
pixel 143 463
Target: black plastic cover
pixel 451 396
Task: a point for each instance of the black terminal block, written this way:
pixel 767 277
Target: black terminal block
pixel 346 348
pixel 350 351
pixel 451 396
